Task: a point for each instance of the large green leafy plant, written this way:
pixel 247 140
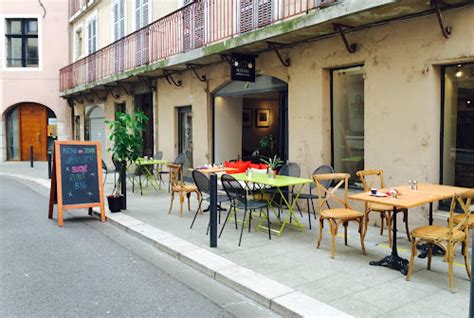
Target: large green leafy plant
pixel 126 134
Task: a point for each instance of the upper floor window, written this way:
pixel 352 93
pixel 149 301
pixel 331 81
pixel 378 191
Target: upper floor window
pixel 22 42
pixel 142 13
pixel 78 43
pixel 92 35
pixel 118 14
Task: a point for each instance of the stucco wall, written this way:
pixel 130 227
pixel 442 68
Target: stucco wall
pixel 402 96
pixel 38 85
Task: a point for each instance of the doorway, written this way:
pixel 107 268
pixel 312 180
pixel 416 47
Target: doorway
pixel 250 120
pixel 144 103
pixel 95 126
pixel 185 132
pixel 29 125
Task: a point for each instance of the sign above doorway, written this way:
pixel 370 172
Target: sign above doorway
pixel 242 67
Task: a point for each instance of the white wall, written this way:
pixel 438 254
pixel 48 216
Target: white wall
pixel 228 128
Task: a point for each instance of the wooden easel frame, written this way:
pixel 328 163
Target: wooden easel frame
pixel 56 195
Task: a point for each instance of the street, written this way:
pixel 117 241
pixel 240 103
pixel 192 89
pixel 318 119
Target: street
pixel 89 268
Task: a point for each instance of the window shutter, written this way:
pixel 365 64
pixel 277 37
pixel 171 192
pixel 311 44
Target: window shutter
pixel 145 12
pixel 89 38
pixel 138 14
pixel 115 19
pixel 122 18
pixel 94 35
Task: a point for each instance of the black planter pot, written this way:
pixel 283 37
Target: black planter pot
pixel 115 203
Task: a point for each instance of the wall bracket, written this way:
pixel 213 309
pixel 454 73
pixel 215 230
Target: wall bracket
pixel 285 62
pixel 226 58
pixel 193 67
pixel 445 30
pixel 100 98
pixel 149 82
pixel 169 78
pixel 351 48
pixel 125 89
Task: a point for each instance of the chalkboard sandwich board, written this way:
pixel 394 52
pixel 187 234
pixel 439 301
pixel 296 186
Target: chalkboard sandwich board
pixel 76 180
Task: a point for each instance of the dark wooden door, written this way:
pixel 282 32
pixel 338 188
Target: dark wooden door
pixel 33 131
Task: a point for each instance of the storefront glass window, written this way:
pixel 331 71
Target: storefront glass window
pixel 348 120
pixel 457 163
pixel 13 135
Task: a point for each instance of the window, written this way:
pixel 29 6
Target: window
pixel 457 126
pixel 347 109
pixel 92 35
pixel 22 42
pixel 118 13
pixel 141 38
pixel 78 44
pixel 142 12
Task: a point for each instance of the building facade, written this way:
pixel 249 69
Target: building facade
pixel 34 46
pixel 355 84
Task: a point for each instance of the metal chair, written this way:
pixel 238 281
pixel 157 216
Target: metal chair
pixel 158 155
pixel 107 171
pixel 309 197
pixel 204 187
pixel 238 200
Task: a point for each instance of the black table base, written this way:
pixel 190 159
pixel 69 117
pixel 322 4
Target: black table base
pixel 393 262
pixel 435 250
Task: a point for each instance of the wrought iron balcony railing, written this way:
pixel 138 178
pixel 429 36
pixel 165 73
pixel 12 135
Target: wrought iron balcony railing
pixel 196 25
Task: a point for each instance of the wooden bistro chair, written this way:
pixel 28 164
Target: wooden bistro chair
pixel 447 237
pixel 374 178
pixel 336 216
pixel 177 185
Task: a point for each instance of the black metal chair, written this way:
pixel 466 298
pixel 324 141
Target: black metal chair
pixel 204 187
pixel 107 170
pixel 309 197
pixel 238 200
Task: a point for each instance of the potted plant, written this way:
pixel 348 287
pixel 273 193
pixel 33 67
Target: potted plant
pixel 126 134
pixel 273 164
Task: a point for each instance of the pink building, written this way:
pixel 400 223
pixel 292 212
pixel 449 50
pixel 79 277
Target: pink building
pixel 33 47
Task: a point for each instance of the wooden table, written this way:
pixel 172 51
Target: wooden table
pixel 214 170
pixel 277 182
pixel 426 193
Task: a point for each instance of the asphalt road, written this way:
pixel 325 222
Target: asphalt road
pixel 92 269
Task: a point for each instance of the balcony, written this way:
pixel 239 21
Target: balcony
pixel 76 6
pixel 199 32
pixel 194 26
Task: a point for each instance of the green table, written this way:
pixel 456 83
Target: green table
pixel 278 182
pixel 149 175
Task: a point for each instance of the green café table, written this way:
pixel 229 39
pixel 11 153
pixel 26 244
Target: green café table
pixel 278 182
pixel 147 166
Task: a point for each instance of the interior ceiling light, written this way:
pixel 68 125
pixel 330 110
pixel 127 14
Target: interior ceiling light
pixel 468 101
pixel 458 73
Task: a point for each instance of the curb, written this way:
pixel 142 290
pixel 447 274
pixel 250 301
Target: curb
pixel 275 296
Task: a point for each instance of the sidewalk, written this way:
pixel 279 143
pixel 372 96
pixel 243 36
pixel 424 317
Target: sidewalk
pixel 296 274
